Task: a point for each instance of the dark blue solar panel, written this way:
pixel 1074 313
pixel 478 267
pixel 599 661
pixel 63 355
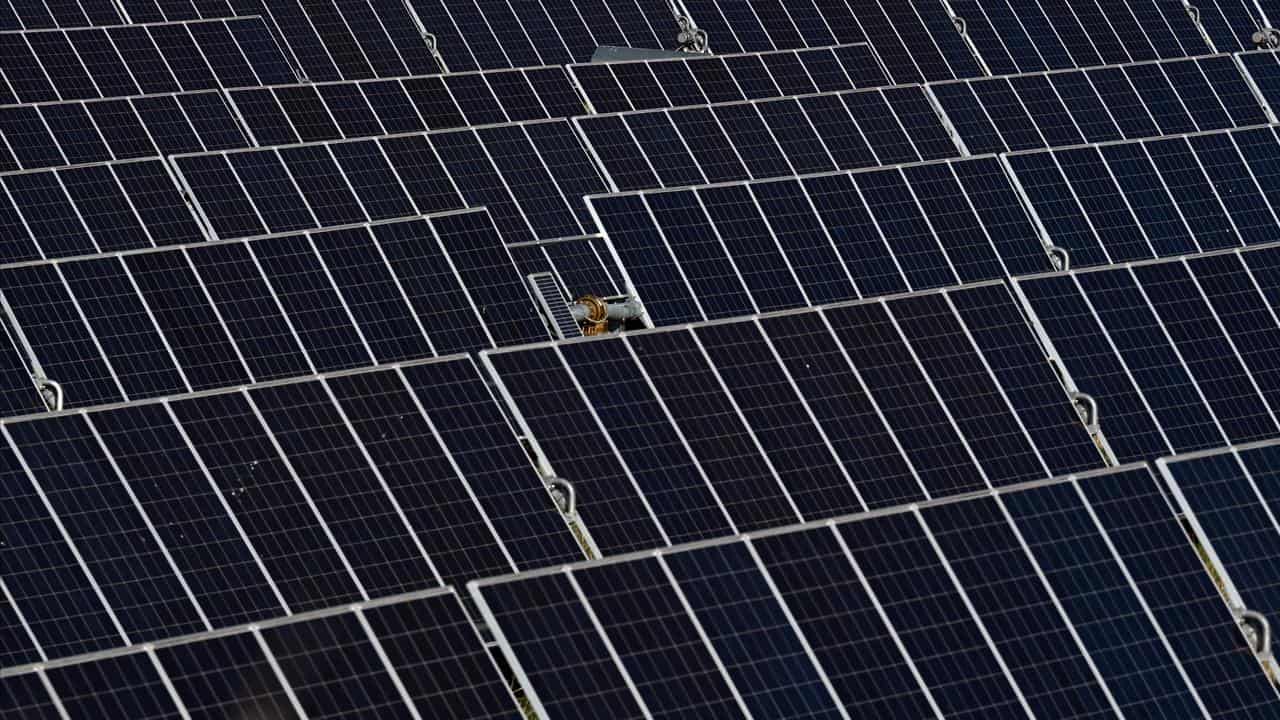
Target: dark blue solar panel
pixel 316 310
pixel 839 619
pixel 889 546
pixel 250 311
pixel 358 513
pixel 46 580
pixel 225 675
pixel 1088 356
pixel 332 667
pixel 385 317
pixel 842 407
pixel 1158 215
pixel 677 489
pixel 548 630
pixel 674 673
pixel 852 230
pixel 1182 596
pixel 997 327
pixel 610 497
pixel 267 500
pixel 188 512
pixel 1157 369
pixel 703 259
pixel 480 259
pixel 1229 508
pixel 744 480
pixel 1094 592
pixel 775 412
pixel 758 258
pixel 112 536
pixel 63 344
pixel 191 326
pixel 123 328
pixel 1242 309
pixel 752 635
pixel 809 250
pixel 995 436
pixel 903 394
pixel 1017 610
pixel 403 449
pixel 124 686
pixel 497 470
pixel 905 229
pixel 1207 352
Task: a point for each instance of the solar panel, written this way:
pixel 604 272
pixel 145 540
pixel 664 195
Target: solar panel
pixel 1228 498
pixel 84 132
pixel 892 29
pixel 339 40
pixel 1010 38
pixel 582 266
pixel 531 177
pixel 50 65
pixel 109 327
pixel 767 138
pixel 30 15
pixel 1156 198
pixel 314 112
pixel 1171 350
pixel 383 657
pixel 822 413
pixel 725 250
pixel 764 634
pixel 1074 107
pixel 624 85
pixel 1230 24
pixel 482 36
pixel 236 506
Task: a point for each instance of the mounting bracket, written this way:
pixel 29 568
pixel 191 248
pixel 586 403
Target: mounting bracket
pixel 1087 408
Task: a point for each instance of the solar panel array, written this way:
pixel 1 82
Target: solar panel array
pixel 950 609
pixel 741 359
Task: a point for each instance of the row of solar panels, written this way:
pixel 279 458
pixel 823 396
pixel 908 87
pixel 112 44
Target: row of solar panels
pixel 333 40
pixel 149 520
pixel 995 115
pixel 638 150
pixel 415 657
pixel 361 42
pixel 112 328
pixel 1076 598
pixel 1092 574
pixel 136 522
pixel 138 59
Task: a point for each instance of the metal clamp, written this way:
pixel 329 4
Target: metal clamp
pixel 51 391
pixel 1087 408
pixel 1266 39
pixel 962 25
pixel 691 38
pixel 1193 11
pixel 1257 628
pixel 563 493
pixel 1060 257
